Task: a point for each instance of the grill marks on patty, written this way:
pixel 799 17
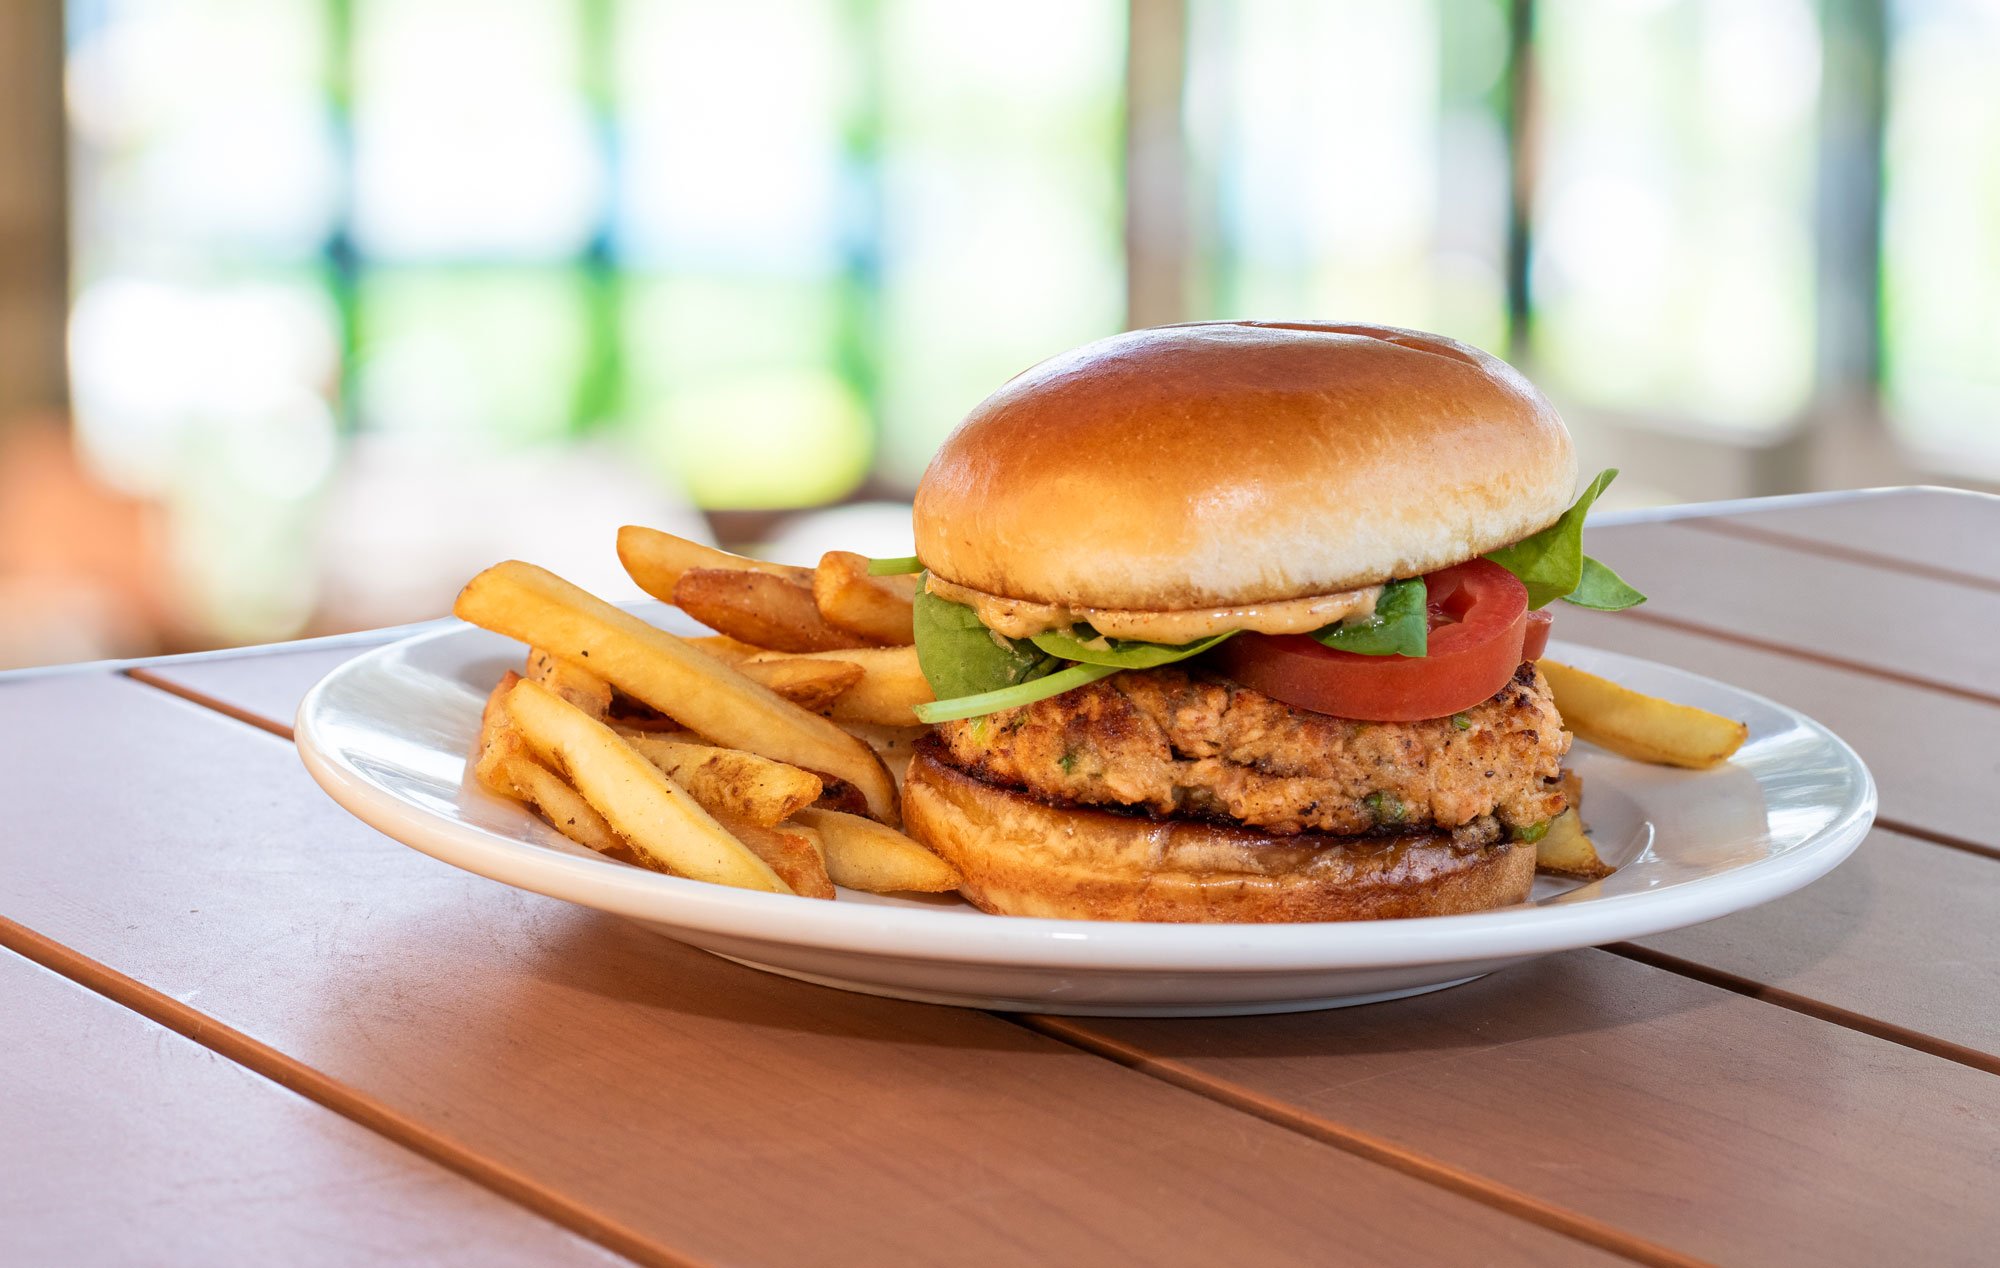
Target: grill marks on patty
pixel 1176 743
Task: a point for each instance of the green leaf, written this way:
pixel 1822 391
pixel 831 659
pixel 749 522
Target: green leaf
pixel 961 657
pixel 1550 563
pixel 1012 697
pixel 1400 627
pixel 1603 589
pixel 899 567
pixel 1118 653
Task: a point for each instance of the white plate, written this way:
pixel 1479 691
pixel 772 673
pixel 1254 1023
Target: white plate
pixel 387 735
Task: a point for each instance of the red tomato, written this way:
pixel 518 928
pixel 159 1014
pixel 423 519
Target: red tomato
pixel 1479 623
pixel 1538 634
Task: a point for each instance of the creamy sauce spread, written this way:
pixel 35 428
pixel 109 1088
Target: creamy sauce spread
pixel 1023 618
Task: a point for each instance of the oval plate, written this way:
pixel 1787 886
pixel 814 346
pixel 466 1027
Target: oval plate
pixel 388 733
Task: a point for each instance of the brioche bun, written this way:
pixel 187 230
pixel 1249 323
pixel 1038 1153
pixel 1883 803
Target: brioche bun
pixel 1021 856
pixel 1232 463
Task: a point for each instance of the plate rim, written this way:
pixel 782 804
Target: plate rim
pixel 1043 943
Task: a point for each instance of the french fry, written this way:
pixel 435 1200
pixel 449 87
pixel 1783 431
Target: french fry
pixel 756 607
pixel 656 561
pixel 862 854
pixel 891 683
pixel 494 722
pixel 730 784
pixel 877 608
pixel 580 687
pixel 662 672
pixel 816 685
pixel 1566 851
pixel 663 825
pixel 1645 728
pixel 508 767
pixel 725 648
pixel 792 850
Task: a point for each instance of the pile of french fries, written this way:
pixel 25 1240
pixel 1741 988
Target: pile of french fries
pixel 759 757
pixel 768 755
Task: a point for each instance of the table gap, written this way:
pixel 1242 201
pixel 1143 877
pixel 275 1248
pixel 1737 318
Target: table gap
pixel 280 729
pixel 1816 1009
pixel 1798 653
pixel 1938 838
pixel 234 1046
pixel 1834 550
pixel 1491 1193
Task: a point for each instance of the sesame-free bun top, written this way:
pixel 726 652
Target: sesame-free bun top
pixel 1231 463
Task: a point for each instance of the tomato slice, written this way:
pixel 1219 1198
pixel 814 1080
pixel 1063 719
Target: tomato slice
pixel 1479 625
pixel 1538 634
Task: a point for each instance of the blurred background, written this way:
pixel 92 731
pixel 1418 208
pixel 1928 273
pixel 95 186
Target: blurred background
pixel 311 308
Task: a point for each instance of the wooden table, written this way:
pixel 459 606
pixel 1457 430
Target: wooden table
pixel 243 1028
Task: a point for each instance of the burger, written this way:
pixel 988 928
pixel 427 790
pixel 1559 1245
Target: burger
pixel 1237 621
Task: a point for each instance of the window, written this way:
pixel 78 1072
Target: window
pixel 769 252
pixel 1941 241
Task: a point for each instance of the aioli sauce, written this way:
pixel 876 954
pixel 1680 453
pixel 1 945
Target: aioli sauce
pixel 1024 618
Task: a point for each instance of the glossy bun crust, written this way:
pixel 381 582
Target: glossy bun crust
pixel 1235 462
pixel 1024 857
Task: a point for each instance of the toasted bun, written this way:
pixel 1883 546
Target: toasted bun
pixel 1241 462
pixel 1025 857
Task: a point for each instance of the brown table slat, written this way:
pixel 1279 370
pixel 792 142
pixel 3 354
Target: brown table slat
pixel 1717 1124
pixel 126 1144
pixel 1903 933
pixel 1864 617
pixel 1948 529
pixel 653 1095
pixel 1930 751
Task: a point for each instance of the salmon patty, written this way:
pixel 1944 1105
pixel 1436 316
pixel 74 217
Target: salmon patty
pixel 1177 743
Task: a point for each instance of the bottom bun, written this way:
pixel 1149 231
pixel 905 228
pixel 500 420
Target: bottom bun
pixel 1022 856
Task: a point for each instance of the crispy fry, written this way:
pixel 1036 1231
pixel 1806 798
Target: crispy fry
pixel 493 721
pixel 1645 728
pixel 579 686
pixel 663 825
pixel 877 608
pixel 507 766
pixel 1566 851
pixel 658 670
pixel 793 852
pixel 891 685
pixel 817 685
pixel 656 561
pixel 510 764
pixel 756 607
pixel 862 854
pixel 725 648
pixel 730 784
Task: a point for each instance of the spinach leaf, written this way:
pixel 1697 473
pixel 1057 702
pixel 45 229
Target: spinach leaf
pixel 1603 589
pixel 1400 627
pixel 1118 653
pixel 961 657
pixel 1067 679
pixel 902 565
pixel 1550 563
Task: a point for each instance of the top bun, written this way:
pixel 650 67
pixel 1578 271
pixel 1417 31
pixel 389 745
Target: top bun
pixel 1229 463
